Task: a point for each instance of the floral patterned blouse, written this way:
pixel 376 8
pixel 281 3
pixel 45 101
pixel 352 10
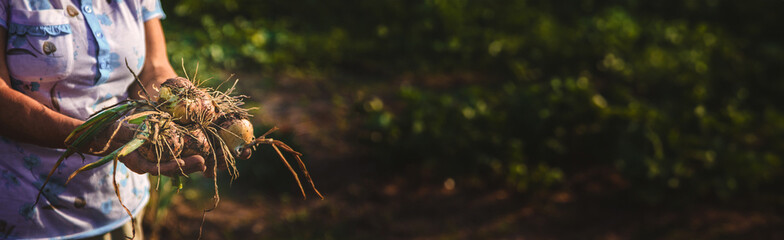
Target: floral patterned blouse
pixel 70 55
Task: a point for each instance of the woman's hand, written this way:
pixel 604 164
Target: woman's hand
pixel 171 167
pixel 116 135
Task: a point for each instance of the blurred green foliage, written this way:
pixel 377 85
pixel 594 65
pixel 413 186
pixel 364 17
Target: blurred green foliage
pixel 676 95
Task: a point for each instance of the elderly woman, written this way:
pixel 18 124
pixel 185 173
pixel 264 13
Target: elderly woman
pixel 62 61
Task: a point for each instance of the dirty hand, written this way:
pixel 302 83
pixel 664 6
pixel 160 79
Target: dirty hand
pixel 116 135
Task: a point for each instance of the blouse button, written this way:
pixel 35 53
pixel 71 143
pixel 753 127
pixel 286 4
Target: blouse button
pixel 49 47
pixel 87 9
pixel 72 11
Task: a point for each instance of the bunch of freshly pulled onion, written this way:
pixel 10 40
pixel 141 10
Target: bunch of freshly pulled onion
pixel 185 120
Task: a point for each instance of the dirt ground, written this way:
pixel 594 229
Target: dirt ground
pixel 363 204
pixel 404 208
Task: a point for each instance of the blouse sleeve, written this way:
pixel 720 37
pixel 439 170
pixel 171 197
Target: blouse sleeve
pixel 152 9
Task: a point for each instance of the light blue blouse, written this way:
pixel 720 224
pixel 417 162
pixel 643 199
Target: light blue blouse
pixel 70 56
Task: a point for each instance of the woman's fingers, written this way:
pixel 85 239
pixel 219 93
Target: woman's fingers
pixel 169 168
pixel 194 163
pixel 175 167
pixel 111 138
